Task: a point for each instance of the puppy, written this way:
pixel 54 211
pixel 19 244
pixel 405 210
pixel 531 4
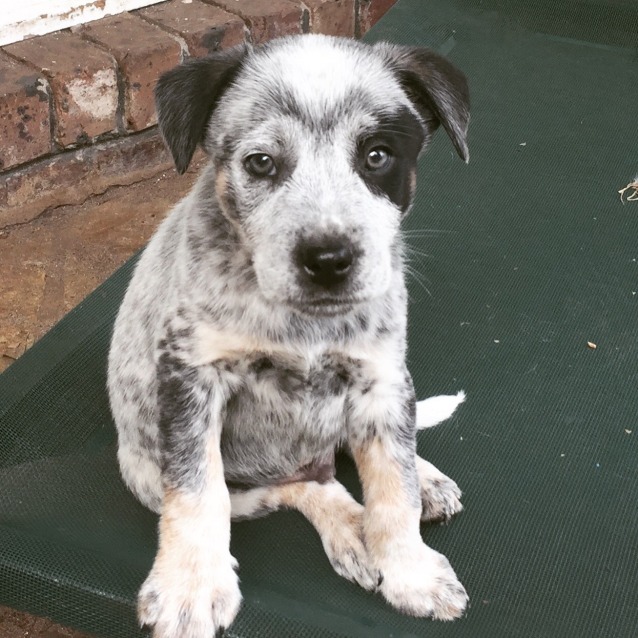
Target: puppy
pixel 265 323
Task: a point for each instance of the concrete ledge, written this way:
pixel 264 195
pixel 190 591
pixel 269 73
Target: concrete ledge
pixel 71 178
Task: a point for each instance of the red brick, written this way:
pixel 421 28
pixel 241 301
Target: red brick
pixel 203 27
pixel 72 177
pixel 25 130
pixel 143 52
pixel 267 20
pixel 331 17
pixel 83 80
pixel 370 12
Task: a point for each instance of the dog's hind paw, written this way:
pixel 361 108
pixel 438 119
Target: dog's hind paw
pixel 440 495
pixel 441 499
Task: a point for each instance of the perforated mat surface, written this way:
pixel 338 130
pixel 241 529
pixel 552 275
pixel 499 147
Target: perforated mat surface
pixel 531 255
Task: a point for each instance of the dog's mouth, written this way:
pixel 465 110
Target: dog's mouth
pixel 326 306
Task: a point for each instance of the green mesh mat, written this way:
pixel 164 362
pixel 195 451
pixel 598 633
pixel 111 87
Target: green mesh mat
pixel 530 255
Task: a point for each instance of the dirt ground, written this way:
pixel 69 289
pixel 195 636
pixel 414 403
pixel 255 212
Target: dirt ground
pixel 14 624
pixel 49 265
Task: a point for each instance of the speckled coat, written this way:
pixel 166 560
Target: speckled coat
pixel 264 327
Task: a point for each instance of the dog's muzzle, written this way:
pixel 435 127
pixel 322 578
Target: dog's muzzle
pixel 325 271
pixel 327 264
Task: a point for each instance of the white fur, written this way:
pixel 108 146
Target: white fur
pixel 419 581
pixel 435 410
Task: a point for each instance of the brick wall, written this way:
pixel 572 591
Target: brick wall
pixel 76 106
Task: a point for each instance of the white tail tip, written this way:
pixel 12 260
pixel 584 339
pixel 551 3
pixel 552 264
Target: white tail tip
pixel 435 410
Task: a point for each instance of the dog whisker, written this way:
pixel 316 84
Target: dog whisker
pixel 426 232
pixel 412 251
pixel 418 277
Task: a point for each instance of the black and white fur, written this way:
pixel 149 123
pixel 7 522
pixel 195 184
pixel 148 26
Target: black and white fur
pixel 265 324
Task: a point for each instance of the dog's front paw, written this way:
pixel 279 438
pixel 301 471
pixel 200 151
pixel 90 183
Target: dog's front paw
pixel 441 499
pixel 421 582
pixel 193 604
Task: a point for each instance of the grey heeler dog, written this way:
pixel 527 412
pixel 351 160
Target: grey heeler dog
pixel 265 324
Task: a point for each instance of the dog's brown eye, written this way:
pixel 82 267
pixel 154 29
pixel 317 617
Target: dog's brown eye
pixel 378 158
pixel 260 165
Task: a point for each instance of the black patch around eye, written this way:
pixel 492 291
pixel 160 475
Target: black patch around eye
pixel 402 135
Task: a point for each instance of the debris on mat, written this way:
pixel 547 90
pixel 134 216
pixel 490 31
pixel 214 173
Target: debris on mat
pixel 633 195
pixel 592 345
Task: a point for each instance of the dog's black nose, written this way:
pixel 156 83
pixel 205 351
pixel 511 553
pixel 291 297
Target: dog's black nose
pixel 327 263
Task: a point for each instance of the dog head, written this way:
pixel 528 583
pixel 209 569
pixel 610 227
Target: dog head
pixel 314 141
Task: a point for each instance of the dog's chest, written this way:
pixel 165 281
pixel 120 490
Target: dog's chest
pixel 297 380
pixel 285 413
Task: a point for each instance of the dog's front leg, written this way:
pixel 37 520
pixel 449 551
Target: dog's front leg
pixel 192 590
pixel 416 579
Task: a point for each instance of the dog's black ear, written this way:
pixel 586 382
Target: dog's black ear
pixel 438 90
pixel 186 96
